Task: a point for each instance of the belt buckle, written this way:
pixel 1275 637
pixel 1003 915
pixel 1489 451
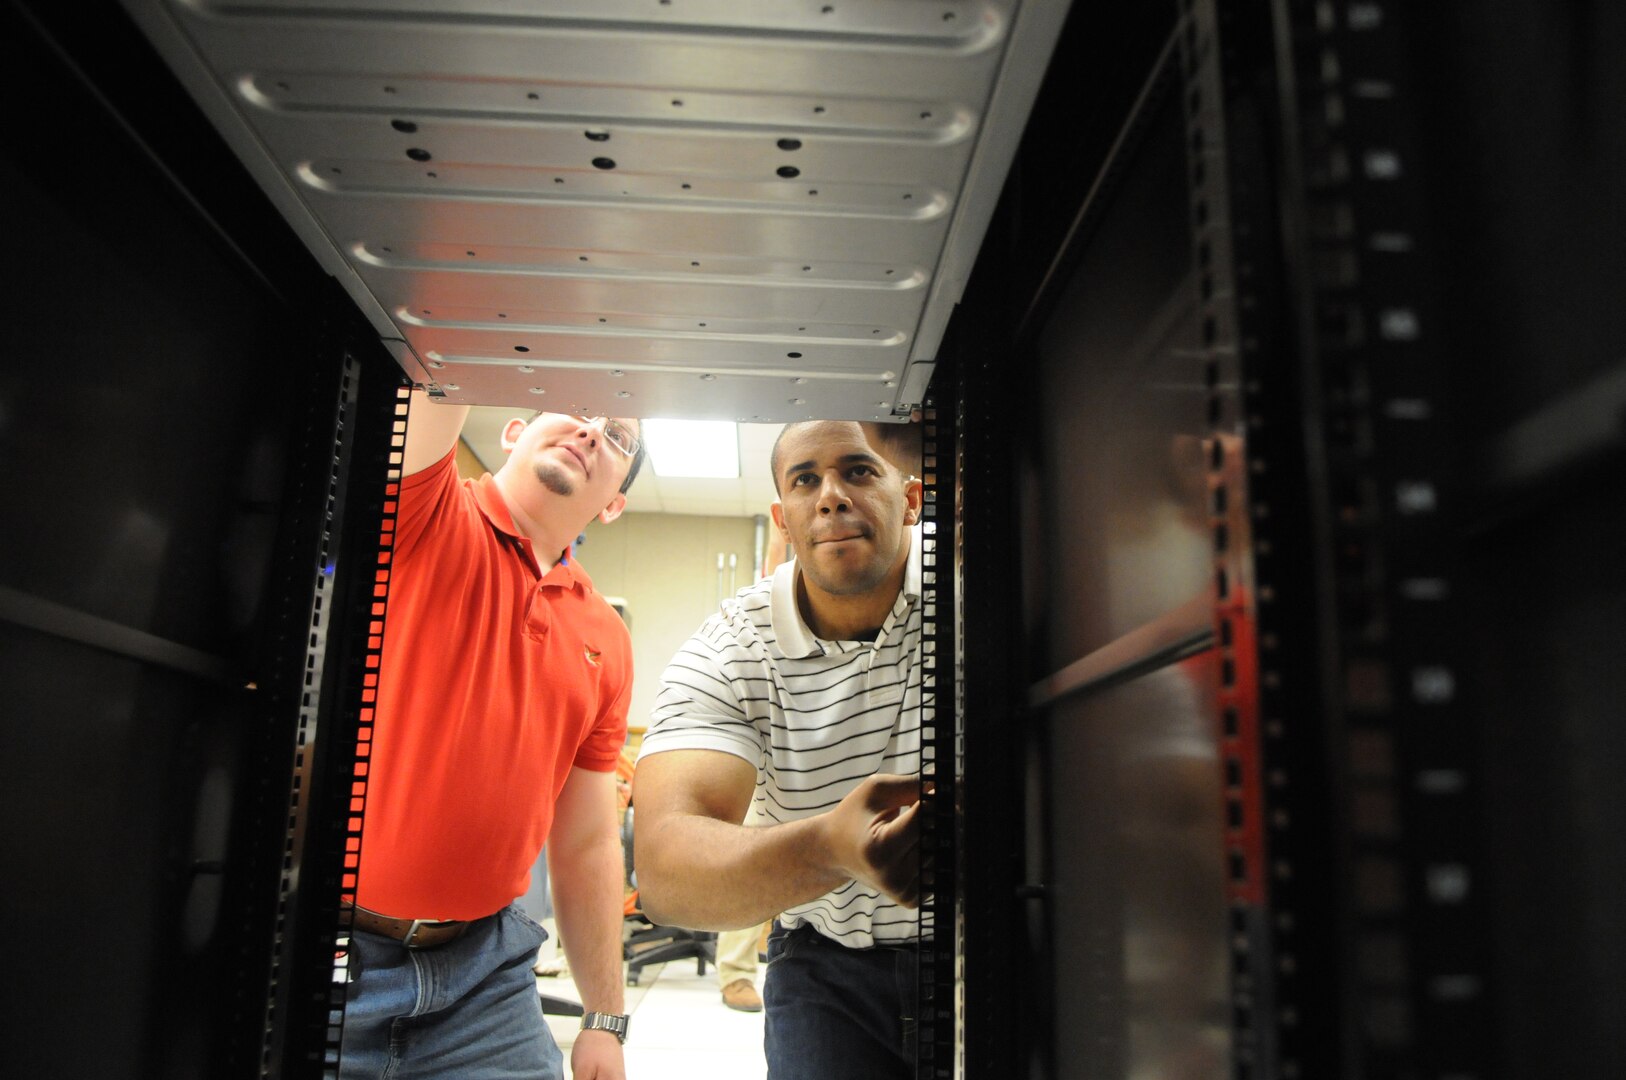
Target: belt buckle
pixel 412 932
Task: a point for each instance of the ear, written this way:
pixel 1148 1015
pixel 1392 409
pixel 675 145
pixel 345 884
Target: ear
pixel 511 432
pixel 777 512
pixel 914 500
pixel 614 510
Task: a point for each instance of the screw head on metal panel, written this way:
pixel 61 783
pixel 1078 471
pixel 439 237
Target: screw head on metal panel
pixel 526 369
pixel 708 377
pixel 623 393
pixel 603 163
pixel 537 390
pixel 418 153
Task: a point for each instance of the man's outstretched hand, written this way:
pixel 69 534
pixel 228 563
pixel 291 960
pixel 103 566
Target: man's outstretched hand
pixel 874 836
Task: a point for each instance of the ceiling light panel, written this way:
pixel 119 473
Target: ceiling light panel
pixel 707 208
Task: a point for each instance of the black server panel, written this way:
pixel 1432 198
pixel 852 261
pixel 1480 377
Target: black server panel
pixel 198 439
pixel 1308 461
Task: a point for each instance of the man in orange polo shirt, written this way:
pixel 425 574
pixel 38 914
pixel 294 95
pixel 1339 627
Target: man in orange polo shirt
pixel 501 713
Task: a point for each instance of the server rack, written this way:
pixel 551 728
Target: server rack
pixel 1384 516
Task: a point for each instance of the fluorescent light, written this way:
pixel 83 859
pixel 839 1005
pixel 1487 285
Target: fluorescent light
pixel 700 448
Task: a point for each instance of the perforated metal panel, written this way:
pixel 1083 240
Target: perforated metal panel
pixel 674 207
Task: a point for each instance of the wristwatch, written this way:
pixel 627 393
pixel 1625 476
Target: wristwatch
pixel 614 1024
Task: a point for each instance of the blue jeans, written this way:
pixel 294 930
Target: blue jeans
pixel 832 1011
pixel 466 1010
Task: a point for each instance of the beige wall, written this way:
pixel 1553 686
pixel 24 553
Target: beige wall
pixel 665 566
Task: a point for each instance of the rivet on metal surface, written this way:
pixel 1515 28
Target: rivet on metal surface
pixel 623 393
pixel 789 172
pixel 537 390
pixel 603 163
pixel 597 134
pixel 418 153
pixel 790 144
pixel 525 369
pixel 708 377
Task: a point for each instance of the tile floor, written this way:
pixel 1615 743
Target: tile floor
pixel 680 1029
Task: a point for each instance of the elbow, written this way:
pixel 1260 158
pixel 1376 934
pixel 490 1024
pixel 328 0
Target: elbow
pixel 655 883
pixel 653 905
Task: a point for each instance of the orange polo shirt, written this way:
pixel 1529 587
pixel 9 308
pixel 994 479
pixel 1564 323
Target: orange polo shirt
pixel 495 681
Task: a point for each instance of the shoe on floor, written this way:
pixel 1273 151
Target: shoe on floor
pixel 741 994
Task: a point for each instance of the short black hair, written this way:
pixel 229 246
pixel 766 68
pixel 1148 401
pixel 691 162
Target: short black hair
pixel 773 455
pixel 898 444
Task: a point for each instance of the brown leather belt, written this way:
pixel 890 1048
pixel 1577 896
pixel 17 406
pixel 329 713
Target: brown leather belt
pixel 413 933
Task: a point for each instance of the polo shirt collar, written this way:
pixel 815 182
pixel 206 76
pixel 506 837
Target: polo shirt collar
pixel 488 497
pixel 792 636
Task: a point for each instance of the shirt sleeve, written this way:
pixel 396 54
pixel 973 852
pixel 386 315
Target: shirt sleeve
pixel 424 498
pixel 603 746
pixel 698 706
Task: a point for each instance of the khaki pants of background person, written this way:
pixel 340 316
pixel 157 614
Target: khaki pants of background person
pixel 737 954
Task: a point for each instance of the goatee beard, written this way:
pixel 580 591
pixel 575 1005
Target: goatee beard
pixel 555 480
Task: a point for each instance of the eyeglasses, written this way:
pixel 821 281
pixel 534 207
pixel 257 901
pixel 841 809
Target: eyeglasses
pixel 616 434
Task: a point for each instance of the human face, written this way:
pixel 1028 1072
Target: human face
pixel 572 457
pixel 843 507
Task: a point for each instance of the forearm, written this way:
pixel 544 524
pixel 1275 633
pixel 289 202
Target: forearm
pixel 587 894
pixel 704 874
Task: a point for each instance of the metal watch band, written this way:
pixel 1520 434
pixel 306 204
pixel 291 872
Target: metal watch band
pixel 613 1023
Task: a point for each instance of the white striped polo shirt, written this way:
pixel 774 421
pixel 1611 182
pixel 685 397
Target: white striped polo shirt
pixel 815 717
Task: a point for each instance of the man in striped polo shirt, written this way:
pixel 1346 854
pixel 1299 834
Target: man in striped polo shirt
pixel 800 702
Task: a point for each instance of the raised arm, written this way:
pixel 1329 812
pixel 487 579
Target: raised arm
pixel 699 868
pixel 432 431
